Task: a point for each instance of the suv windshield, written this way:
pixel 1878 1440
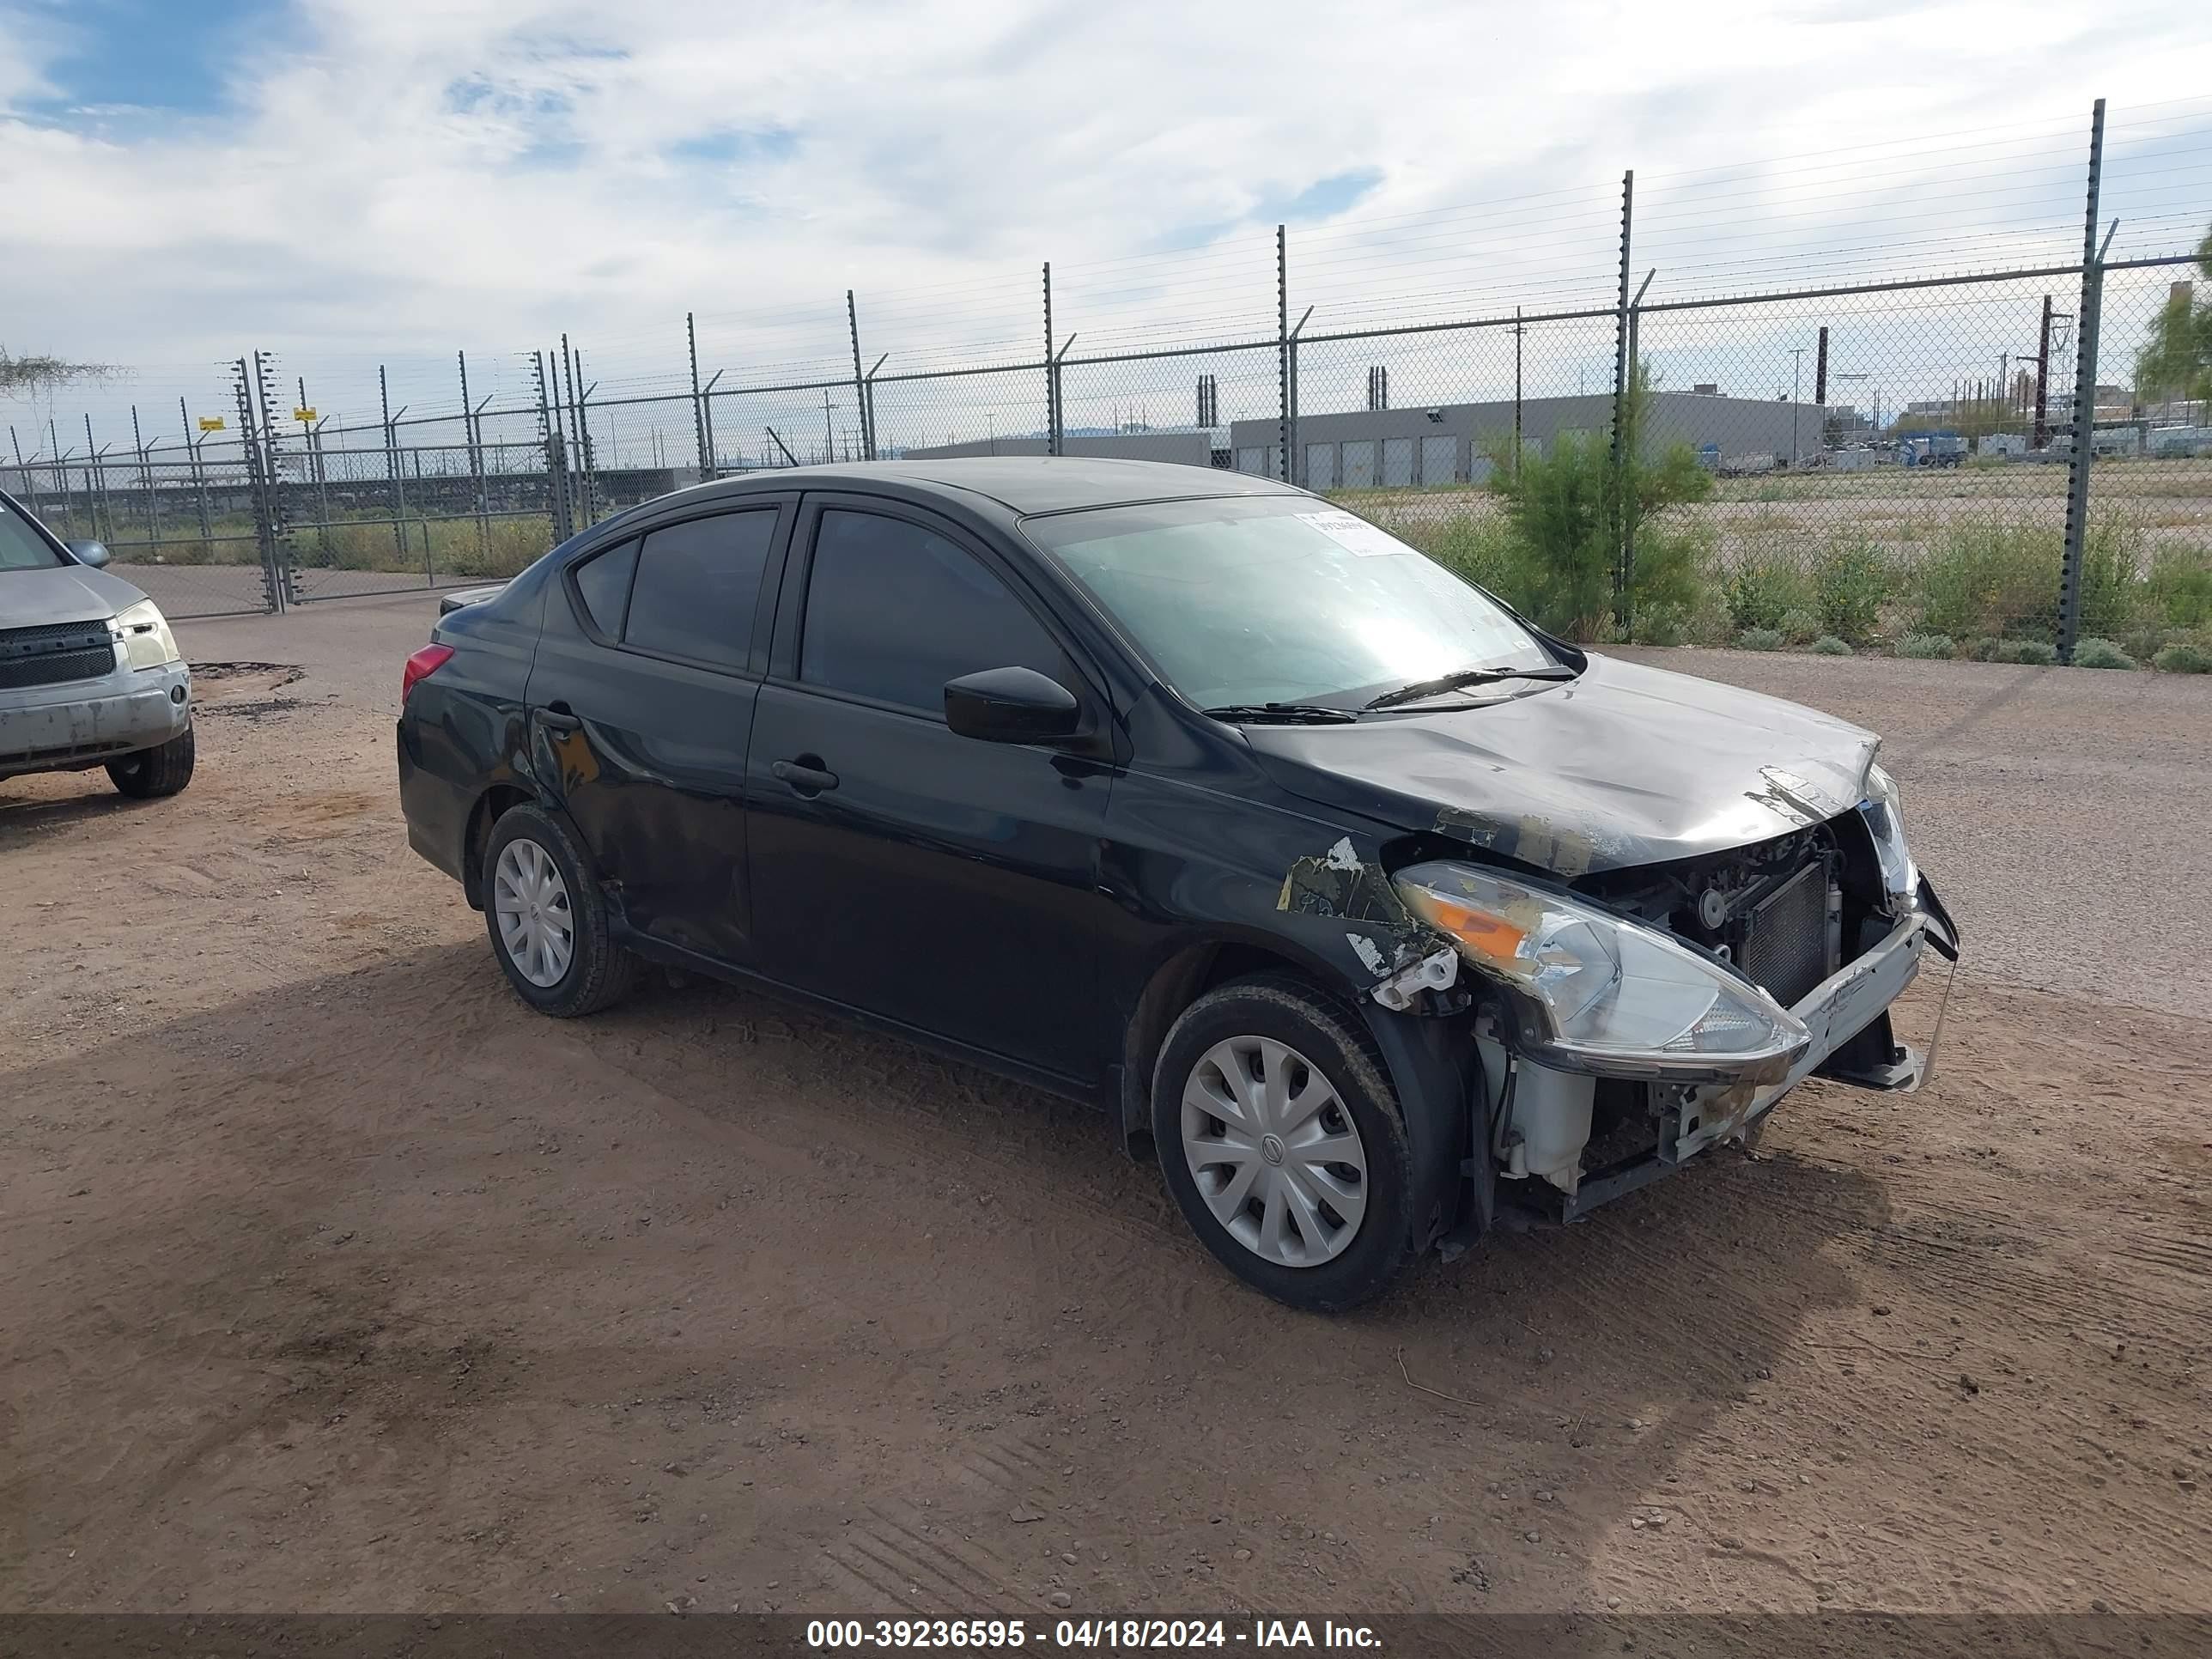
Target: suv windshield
pixel 21 548
pixel 1280 600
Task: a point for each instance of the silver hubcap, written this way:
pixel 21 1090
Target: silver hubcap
pixel 1273 1151
pixel 531 902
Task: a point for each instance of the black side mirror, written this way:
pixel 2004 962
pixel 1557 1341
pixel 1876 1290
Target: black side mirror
pixel 89 553
pixel 1010 705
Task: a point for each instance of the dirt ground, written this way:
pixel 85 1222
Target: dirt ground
pixel 334 1279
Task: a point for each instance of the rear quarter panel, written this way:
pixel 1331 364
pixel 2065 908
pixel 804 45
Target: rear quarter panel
pixel 465 729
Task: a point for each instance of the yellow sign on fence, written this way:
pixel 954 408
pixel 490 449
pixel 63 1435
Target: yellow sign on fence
pixel 303 416
pixel 210 422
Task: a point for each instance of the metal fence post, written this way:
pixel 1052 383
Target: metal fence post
pixel 1051 379
pixel 2085 401
pixel 469 436
pixel 149 504
pixel 95 481
pixel 257 479
pixel 396 491
pixel 1620 411
pixel 557 470
pixel 860 380
pixel 280 523
pixel 1626 414
pixel 706 415
pixel 698 404
pixel 61 477
pixel 1283 351
pixel 24 481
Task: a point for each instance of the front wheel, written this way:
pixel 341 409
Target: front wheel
pixel 1280 1138
pixel 151 773
pixel 548 918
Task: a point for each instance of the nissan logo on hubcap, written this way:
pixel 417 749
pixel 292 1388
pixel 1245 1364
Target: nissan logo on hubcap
pixel 1271 1148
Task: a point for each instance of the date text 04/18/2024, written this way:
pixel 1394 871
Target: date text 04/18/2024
pixel 1091 1633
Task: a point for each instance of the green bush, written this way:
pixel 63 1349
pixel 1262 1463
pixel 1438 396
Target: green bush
pixel 2101 654
pixel 2113 589
pixel 2179 590
pixel 1994 578
pixel 1927 647
pixel 1563 517
pixel 1709 621
pixel 2183 657
pixel 1660 624
pixel 1985 649
pixel 2144 643
pixel 1799 626
pixel 1852 579
pixel 1829 645
pixel 2039 653
pixel 1763 586
pixel 1480 550
pixel 1760 639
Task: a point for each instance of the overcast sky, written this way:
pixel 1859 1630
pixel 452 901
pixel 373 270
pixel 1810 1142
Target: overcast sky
pixel 345 181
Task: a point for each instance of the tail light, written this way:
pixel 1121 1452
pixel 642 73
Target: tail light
pixel 423 664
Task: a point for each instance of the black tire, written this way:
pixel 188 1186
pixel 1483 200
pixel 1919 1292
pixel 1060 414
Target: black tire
pixel 1334 1041
pixel 600 973
pixel 152 773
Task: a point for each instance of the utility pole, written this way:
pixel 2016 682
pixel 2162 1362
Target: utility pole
pixel 2043 381
pixel 1796 387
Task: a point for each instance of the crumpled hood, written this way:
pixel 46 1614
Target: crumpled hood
pixel 61 593
pixel 1625 765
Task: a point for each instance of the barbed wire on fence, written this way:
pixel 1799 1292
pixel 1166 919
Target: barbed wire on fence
pixel 1887 394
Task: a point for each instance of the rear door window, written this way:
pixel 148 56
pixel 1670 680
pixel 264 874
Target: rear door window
pixel 697 586
pixel 894 610
pixel 602 588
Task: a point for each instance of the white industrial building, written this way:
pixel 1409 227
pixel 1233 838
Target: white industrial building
pixel 1193 446
pixel 1450 443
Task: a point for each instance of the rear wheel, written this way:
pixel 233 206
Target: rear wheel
pixel 1280 1138
pixel 548 918
pixel 162 770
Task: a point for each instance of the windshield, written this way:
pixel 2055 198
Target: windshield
pixel 1280 600
pixel 21 548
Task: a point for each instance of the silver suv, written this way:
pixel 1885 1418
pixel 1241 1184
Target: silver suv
pixel 90 674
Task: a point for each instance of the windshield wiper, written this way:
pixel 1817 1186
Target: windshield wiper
pixel 1466 677
pixel 1283 713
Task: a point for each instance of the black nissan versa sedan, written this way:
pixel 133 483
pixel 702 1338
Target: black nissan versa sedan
pixel 1369 907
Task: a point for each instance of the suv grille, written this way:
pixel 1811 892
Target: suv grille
pixel 55 654
pixel 1785 946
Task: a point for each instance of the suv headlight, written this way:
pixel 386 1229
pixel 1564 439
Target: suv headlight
pixel 147 641
pixel 1884 813
pixel 1599 993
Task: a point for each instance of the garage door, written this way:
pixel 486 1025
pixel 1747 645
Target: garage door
pixel 1360 464
pixel 1320 466
pixel 1397 463
pixel 1439 460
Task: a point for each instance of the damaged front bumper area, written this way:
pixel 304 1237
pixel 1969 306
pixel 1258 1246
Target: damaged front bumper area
pixel 1547 1133
pixel 80 724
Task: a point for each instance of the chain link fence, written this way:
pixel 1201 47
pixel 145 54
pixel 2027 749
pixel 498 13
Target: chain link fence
pixel 2013 464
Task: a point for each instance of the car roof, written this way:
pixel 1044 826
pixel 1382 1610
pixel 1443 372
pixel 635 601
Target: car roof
pixel 1034 483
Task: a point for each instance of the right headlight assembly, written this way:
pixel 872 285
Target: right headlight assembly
pixel 1598 993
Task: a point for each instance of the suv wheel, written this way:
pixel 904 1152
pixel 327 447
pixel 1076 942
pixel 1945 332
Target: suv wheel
pixel 1281 1140
pixel 548 918
pixel 162 770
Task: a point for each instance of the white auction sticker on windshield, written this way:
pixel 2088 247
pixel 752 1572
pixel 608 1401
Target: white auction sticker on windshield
pixel 1354 533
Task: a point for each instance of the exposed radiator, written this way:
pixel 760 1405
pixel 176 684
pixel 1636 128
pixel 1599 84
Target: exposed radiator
pixel 1788 945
